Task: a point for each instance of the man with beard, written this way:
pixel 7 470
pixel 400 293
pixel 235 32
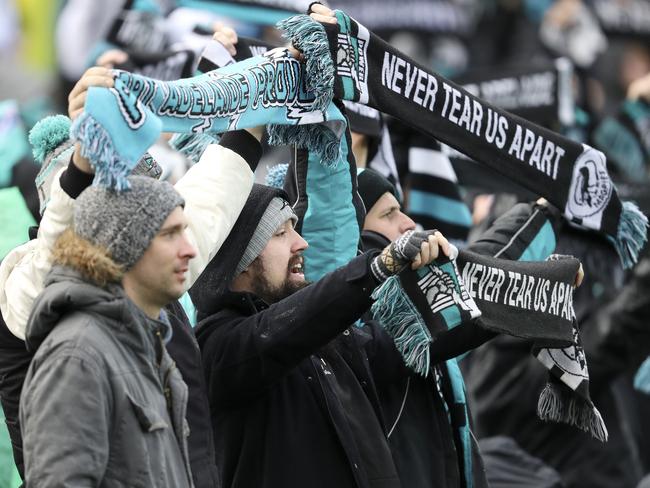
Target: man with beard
pixel 291 395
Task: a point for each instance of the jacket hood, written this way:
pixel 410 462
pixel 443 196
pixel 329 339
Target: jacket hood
pixel 66 292
pixel 83 279
pixel 209 288
pixel 92 262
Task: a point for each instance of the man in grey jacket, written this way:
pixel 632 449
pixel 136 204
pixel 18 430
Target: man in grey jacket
pixel 103 404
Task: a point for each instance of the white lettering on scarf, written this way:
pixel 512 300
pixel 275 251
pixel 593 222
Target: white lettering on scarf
pixel 459 108
pixel 518 290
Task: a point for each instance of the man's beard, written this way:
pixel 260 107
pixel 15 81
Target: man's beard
pixel 268 292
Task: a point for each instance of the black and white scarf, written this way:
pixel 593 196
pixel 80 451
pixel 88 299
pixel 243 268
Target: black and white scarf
pixel 570 175
pixel 456 304
pixel 541 92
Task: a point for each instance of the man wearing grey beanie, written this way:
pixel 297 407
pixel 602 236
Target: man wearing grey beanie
pixel 290 405
pixel 103 403
pixel 214 190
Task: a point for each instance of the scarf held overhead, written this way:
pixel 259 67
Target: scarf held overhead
pixel 120 123
pixel 570 175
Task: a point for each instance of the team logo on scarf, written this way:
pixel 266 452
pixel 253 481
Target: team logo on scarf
pixel 591 187
pixel 346 55
pixel 351 59
pixel 568 364
pixel 442 290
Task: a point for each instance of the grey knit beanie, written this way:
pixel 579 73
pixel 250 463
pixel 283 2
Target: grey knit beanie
pixel 126 222
pixel 276 214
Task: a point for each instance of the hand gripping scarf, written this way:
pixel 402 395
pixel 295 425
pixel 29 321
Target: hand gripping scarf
pixel 120 123
pixel 570 175
pixel 456 304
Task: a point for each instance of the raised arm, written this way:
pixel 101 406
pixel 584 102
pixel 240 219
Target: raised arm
pixel 215 190
pixel 242 356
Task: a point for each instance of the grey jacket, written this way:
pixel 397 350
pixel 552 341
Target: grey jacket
pixel 103 404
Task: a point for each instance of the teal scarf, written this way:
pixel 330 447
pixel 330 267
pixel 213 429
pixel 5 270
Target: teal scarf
pixel 120 123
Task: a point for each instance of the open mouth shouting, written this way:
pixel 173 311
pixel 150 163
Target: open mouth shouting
pixel 296 267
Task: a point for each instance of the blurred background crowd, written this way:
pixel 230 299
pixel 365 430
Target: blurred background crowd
pixel 578 67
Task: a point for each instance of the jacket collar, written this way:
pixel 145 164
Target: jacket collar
pixel 66 292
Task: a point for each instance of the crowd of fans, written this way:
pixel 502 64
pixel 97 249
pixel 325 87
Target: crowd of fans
pixel 216 324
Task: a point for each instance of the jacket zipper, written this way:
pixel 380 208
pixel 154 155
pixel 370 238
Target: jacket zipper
pixel 167 391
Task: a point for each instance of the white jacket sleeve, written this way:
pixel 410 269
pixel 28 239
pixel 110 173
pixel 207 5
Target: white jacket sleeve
pixel 23 270
pixel 215 191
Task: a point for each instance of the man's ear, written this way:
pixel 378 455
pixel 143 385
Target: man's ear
pixel 242 280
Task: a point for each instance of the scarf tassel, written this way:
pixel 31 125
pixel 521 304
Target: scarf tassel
pixel 632 234
pixel 398 316
pixel 556 405
pixel 309 36
pixel 316 138
pixel 96 145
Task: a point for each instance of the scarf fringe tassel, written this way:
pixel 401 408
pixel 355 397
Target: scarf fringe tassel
pixel 632 234
pixel 309 36
pixel 557 406
pixel 192 146
pixel 316 138
pixel 96 145
pixel 398 316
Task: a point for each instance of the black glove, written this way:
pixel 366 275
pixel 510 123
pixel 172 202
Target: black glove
pixel 399 254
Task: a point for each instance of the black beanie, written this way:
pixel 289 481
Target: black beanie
pixel 372 185
pixel 366 121
pixel 207 291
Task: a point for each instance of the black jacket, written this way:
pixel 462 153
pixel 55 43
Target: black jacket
pixel 424 443
pixel 14 362
pixel 421 426
pixel 184 350
pixel 292 404
pixel 505 380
